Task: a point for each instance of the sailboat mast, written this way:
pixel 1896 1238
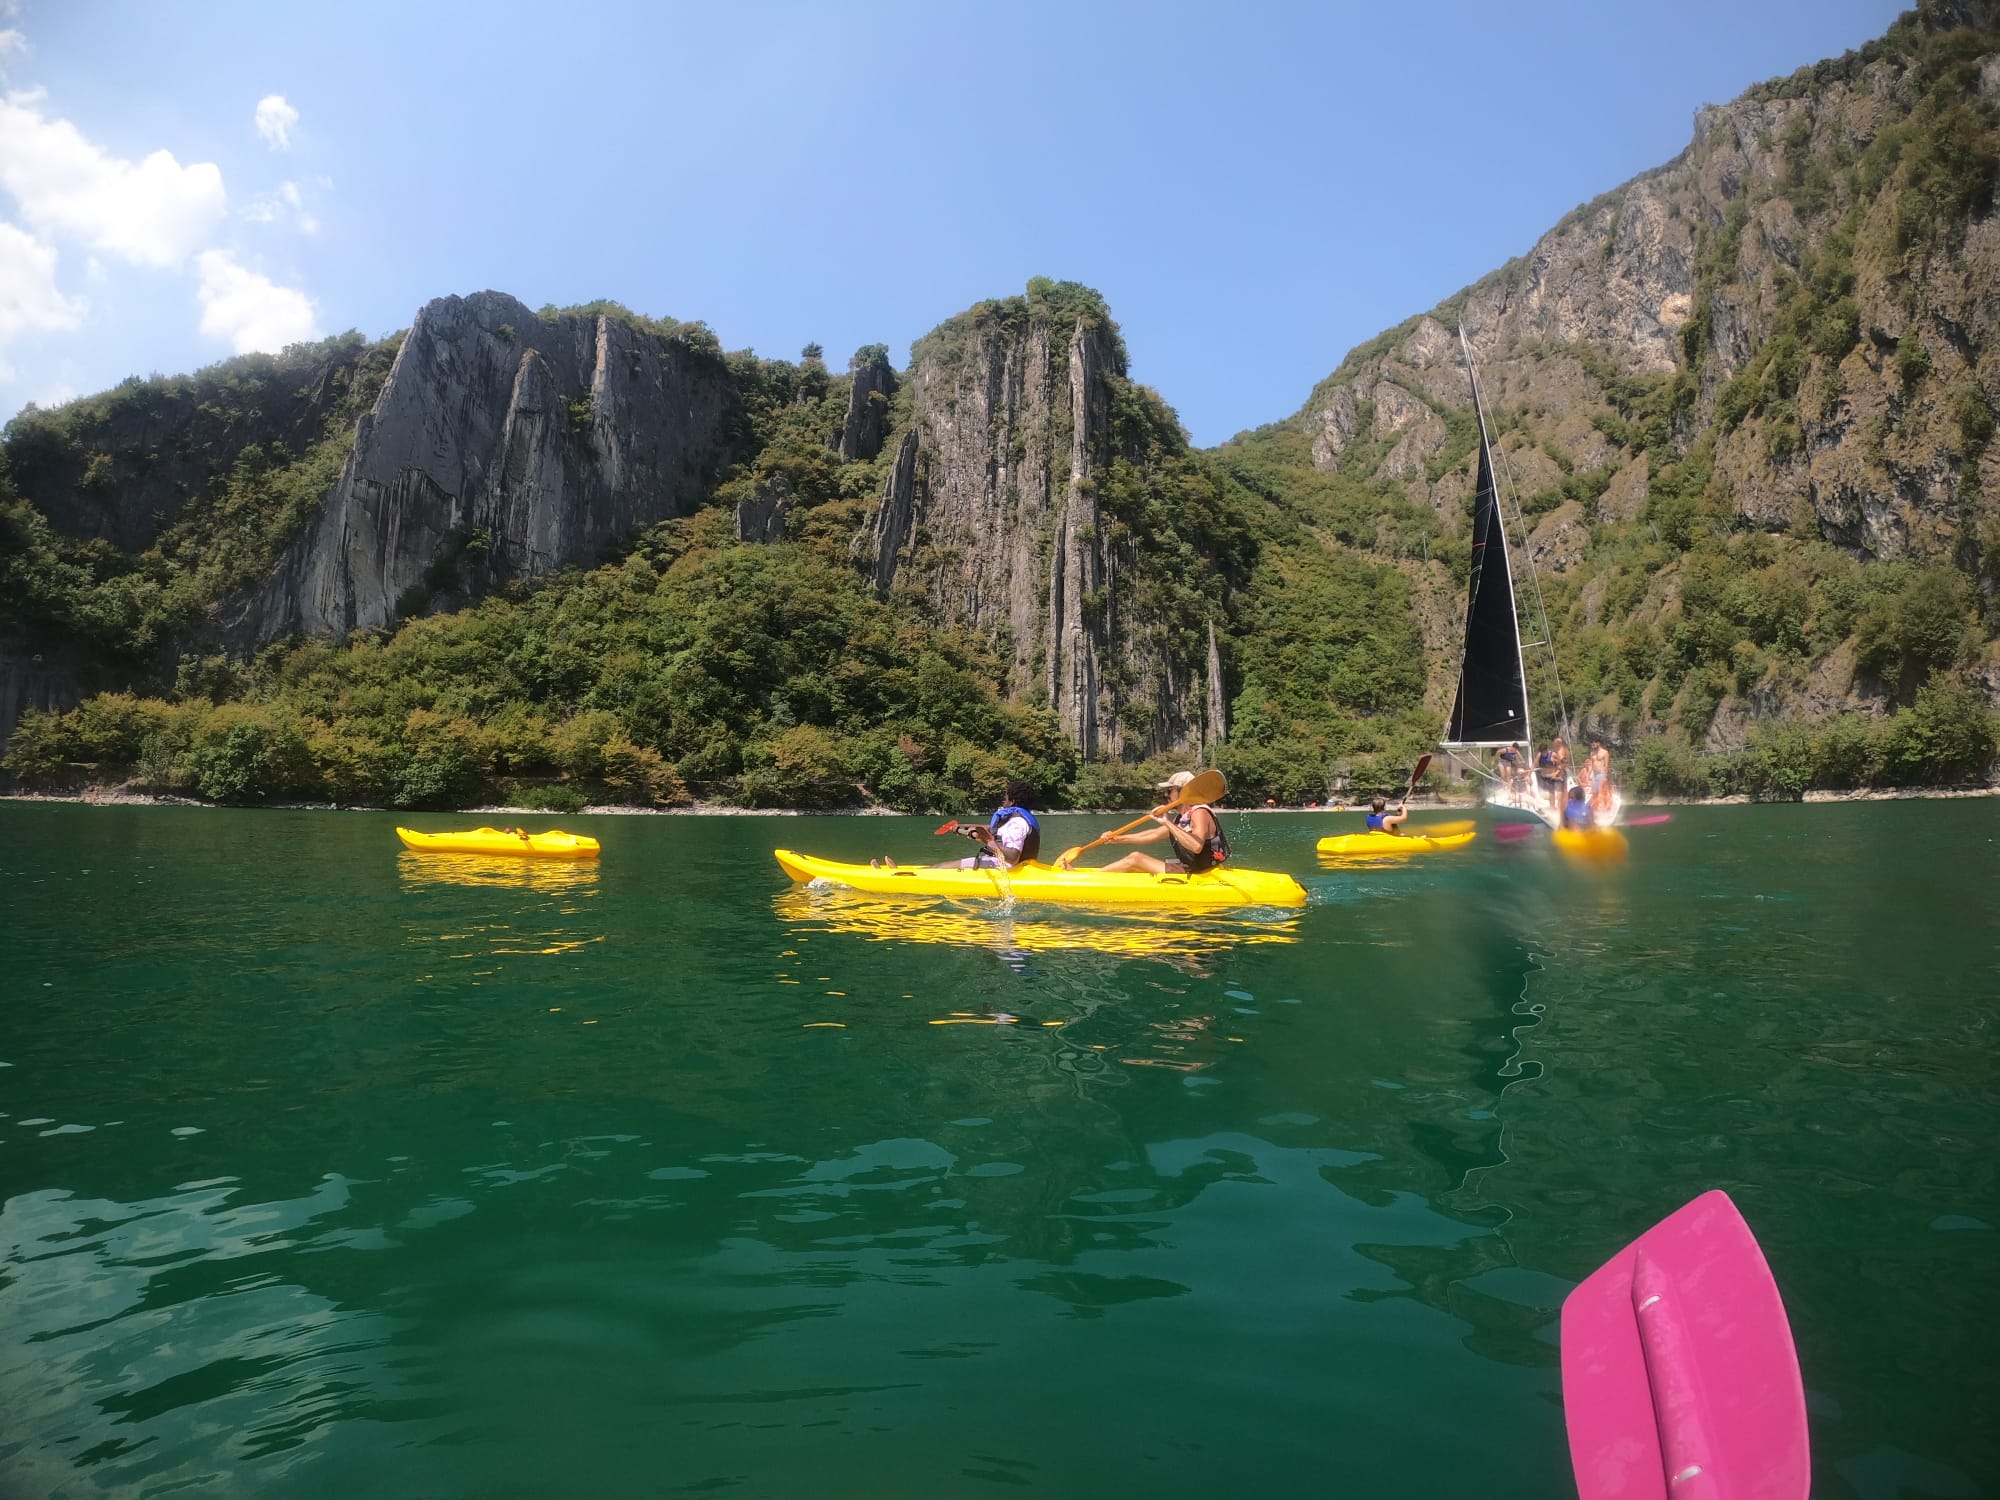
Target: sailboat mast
pixel 1500 530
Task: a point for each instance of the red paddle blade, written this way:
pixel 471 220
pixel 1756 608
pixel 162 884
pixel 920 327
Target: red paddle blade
pixel 951 827
pixel 1679 1374
pixel 1649 819
pixel 1417 775
pixel 1513 833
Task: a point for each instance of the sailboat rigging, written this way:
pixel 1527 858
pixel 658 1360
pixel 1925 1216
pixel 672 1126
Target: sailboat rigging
pixel 1490 710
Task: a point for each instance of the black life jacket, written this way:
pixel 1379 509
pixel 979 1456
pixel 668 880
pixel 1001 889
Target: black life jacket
pixel 1214 851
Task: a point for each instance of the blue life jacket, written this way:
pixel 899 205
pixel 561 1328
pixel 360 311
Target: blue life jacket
pixel 1032 849
pixel 1576 814
pixel 1375 824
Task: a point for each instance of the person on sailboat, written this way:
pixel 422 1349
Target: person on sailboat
pixel 1381 820
pixel 1193 833
pixel 1508 758
pixel 1552 772
pixel 1597 777
pixel 1576 810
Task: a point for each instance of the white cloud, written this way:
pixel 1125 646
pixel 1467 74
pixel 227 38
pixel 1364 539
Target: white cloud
pixel 12 44
pixel 268 208
pixel 275 119
pixel 152 213
pixel 29 299
pixel 249 309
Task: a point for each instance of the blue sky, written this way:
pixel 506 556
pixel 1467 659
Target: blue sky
pixel 1255 188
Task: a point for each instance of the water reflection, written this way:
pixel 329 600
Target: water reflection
pixel 559 915
pixel 424 871
pixel 1187 938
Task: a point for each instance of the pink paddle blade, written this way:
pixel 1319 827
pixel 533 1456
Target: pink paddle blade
pixel 1650 818
pixel 1513 833
pixel 1678 1371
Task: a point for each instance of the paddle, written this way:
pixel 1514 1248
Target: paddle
pixel 1679 1374
pixel 1415 777
pixel 951 827
pixel 1206 786
pixel 1650 818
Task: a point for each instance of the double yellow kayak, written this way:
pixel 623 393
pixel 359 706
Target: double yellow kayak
pixel 513 842
pixel 1396 843
pixel 1039 882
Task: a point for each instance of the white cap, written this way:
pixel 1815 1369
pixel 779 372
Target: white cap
pixel 1176 781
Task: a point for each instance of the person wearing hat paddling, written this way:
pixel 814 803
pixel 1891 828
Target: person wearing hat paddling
pixel 1194 834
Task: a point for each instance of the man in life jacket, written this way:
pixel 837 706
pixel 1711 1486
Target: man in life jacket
pixel 1194 833
pixel 1381 820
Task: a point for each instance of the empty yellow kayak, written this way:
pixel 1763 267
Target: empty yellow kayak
pixel 515 842
pixel 1396 843
pixel 1039 882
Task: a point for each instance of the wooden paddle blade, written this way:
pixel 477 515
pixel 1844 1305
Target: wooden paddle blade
pixel 1204 786
pixel 1678 1370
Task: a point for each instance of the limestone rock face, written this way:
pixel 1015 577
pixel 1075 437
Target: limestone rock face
pixel 542 439
pixel 868 400
pixel 991 515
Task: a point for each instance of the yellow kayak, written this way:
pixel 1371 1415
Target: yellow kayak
pixel 1396 843
pixel 1039 882
pixel 1597 846
pixel 516 842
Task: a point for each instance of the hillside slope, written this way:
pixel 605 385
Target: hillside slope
pixel 1745 403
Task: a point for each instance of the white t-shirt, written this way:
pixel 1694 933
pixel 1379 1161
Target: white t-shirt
pixel 1013 834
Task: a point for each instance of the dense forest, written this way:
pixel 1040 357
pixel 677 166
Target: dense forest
pixel 1745 407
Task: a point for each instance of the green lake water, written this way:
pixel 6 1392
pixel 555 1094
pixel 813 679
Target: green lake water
pixel 331 1170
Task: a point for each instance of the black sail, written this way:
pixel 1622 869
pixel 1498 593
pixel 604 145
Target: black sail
pixel 1492 703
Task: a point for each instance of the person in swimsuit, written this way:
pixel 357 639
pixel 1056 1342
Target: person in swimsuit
pixel 1597 778
pixel 1552 772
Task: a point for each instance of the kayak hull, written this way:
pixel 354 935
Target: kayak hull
pixel 1039 882
pixel 502 843
pixel 1595 846
pixel 1393 843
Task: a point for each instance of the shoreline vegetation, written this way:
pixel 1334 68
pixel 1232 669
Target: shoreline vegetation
pixel 121 797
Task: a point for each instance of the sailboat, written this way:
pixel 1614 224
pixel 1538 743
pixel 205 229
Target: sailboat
pixel 1490 709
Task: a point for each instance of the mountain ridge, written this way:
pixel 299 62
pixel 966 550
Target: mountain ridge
pixel 1745 400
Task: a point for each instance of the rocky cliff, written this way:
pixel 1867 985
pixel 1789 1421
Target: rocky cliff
pixel 504 445
pixel 994 516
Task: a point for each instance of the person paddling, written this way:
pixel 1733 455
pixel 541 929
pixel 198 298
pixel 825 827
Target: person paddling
pixel 1194 833
pixel 1381 820
pixel 1576 809
pixel 1012 836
